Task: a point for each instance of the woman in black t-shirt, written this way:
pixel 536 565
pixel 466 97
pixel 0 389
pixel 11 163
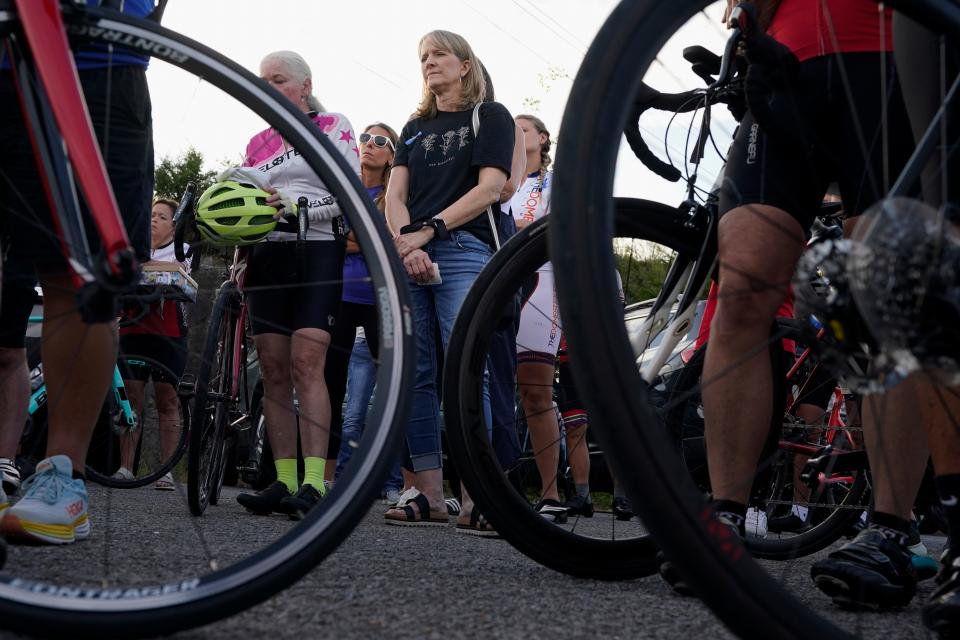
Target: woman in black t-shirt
pixel 445 176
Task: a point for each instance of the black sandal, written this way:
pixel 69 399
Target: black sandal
pixel 478 526
pixel 405 515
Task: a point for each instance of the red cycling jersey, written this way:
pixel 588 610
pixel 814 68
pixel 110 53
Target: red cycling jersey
pixel 813 28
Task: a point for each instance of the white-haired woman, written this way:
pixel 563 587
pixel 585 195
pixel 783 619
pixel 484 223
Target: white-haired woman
pixel 293 296
pixel 445 176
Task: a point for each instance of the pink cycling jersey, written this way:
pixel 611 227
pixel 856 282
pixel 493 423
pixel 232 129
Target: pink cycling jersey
pixel 289 173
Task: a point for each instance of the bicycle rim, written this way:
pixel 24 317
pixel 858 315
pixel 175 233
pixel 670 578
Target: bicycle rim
pixel 601 545
pixel 220 584
pixel 743 595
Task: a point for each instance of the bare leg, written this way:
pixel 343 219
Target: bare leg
pixel 895 443
pixel 274 351
pixel 69 347
pixel 578 454
pixel 168 410
pixel 14 399
pixel 308 349
pixel 129 441
pixel 536 394
pixel 759 247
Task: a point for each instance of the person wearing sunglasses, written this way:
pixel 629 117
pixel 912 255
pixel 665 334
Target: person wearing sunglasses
pixel 352 357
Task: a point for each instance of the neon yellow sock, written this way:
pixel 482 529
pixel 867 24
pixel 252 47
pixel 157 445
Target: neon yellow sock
pixel 287 472
pixel 314 468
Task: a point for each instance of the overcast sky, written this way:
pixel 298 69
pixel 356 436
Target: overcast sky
pixel 364 58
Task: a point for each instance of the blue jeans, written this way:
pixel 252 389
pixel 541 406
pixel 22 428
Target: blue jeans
pixel 361 379
pixel 460 259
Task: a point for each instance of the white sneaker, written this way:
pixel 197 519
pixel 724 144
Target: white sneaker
pixel 10 475
pixel 756 524
pixel 53 509
pixel 4 502
pixel 123 474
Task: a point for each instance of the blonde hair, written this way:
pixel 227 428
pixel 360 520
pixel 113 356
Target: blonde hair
pixel 537 123
pixel 299 72
pixel 472 89
pixel 395 139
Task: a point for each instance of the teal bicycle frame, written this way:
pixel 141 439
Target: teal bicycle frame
pixel 126 421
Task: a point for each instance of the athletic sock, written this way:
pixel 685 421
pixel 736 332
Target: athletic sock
pixel 892 527
pixel 287 472
pixel 948 487
pixel 583 490
pixel 732 511
pixel 313 473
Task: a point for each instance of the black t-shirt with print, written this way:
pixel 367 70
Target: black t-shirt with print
pixel 444 161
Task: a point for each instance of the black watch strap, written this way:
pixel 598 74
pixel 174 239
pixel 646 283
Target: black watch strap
pixel 439 228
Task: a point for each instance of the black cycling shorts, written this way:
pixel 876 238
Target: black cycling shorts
pixel 839 97
pixel 18 296
pixel 170 352
pixel 25 217
pixel 289 288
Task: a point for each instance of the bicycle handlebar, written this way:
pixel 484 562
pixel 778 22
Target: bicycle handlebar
pixel 721 89
pixel 181 221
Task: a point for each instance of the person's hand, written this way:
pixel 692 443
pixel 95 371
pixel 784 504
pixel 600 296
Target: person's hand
pixel 418 266
pixel 281 203
pixel 726 13
pixel 409 242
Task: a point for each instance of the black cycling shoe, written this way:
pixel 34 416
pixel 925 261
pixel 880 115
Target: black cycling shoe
pixel 787 524
pixel 622 509
pixel 297 505
pixel 942 611
pixel 669 572
pixel 552 510
pixel 671 576
pixel 870 571
pixel 265 501
pixel 580 506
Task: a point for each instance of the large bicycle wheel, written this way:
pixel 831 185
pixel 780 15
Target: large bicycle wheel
pixel 212 403
pixel 599 546
pixel 748 599
pixel 158 569
pixel 155 446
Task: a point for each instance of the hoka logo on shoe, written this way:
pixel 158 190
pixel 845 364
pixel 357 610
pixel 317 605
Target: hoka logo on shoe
pixel 75 508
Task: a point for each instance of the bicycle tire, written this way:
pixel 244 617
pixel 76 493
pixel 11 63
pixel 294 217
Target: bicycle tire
pixel 819 536
pixel 209 417
pixel 75 609
pixel 178 452
pixel 510 513
pixel 712 561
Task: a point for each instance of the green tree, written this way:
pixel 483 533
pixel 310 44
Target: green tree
pixel 173 174
pixel 642 270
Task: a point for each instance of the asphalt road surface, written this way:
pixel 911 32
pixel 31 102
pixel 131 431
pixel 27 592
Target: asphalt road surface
pixel 405 582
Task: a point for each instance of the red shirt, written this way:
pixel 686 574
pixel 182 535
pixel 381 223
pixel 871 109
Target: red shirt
pixel 813 28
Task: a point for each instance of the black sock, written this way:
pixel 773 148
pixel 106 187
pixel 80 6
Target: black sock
pixel 948 488
pixel 735 512
pixel 893 527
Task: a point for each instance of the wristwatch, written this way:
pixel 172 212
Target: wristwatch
pixel 437 224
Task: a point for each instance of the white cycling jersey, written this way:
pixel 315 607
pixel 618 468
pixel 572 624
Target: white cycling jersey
pixel 289 173
pixel 539 335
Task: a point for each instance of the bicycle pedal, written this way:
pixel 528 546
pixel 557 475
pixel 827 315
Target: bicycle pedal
pixel 187 386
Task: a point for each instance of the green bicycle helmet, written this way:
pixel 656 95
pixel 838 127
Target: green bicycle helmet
pixel 231 213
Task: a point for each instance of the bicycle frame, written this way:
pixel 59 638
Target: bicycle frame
pixel 49 57
pixel 39 397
